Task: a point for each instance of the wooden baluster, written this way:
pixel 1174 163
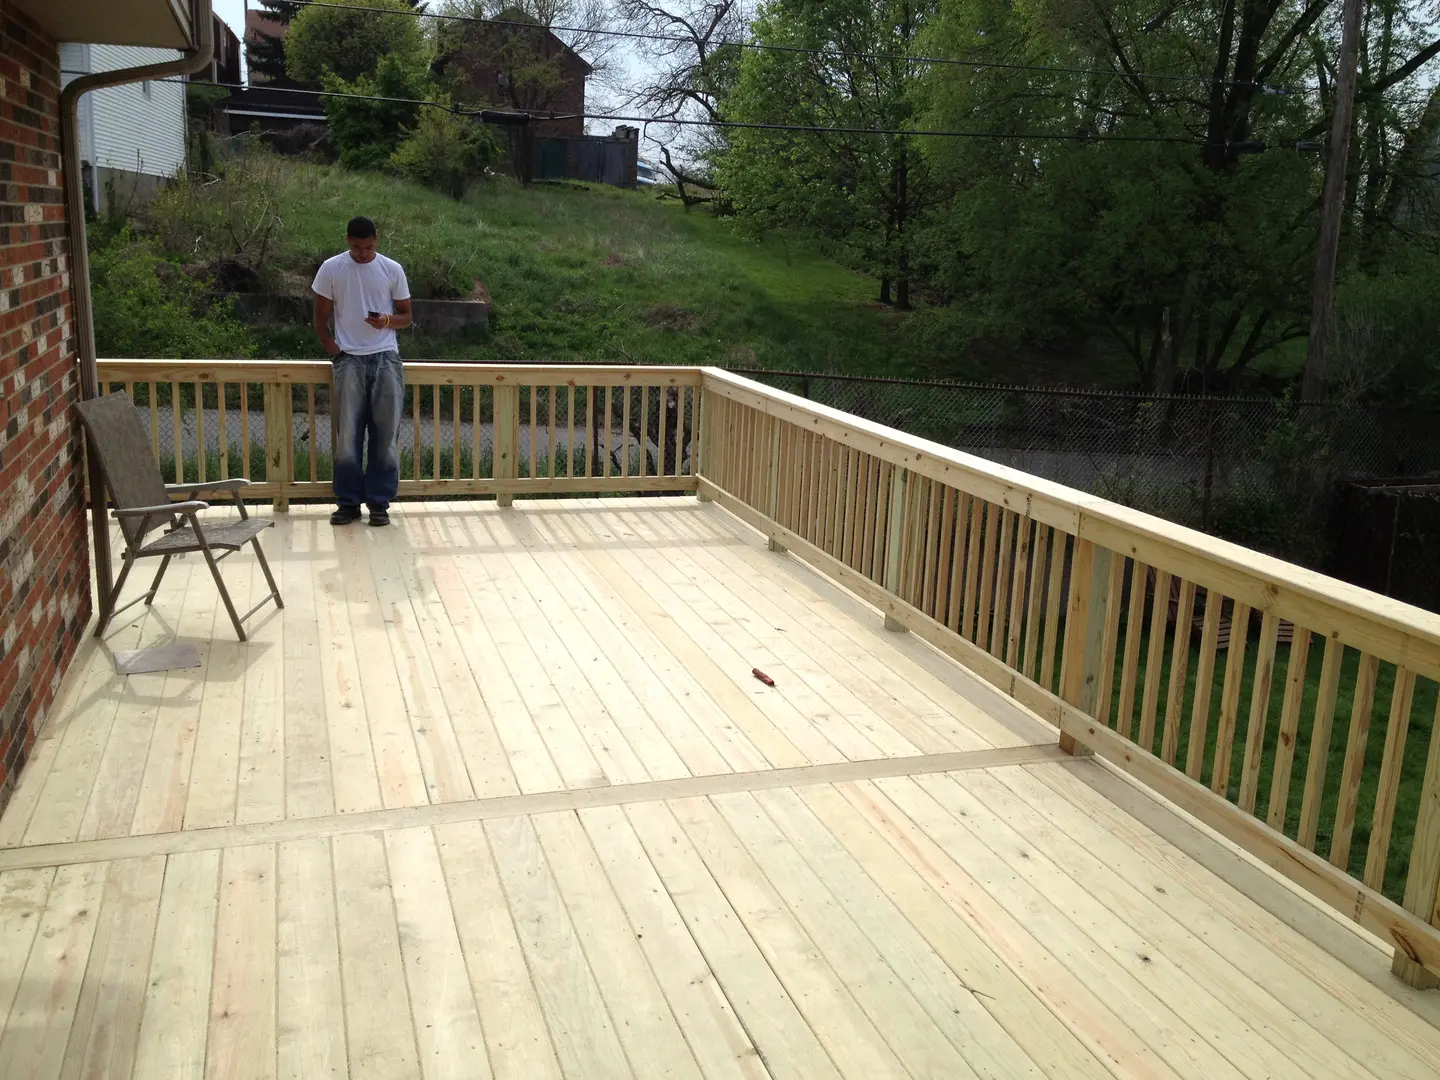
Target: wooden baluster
pixel 1230 698
pixel 1016 603
pixel 570 434
pixel 177 432
pixel 155 420
pixel 1130 664
pixel 1295 674
pixel 1154 660
pixel 931 568
pixel 1179 666
pixel 854 505
pixel 1058 543
pixel 1085 619
pixel 680 427
pixel 895 537
pixel 884 481
pixel 456 457
pixel 415 424
pixel 244 427
pixel 279 456
pixel 1259 711
pixel 200 432
pixel 1402 700
pixel 1204 684
pixel 1034 611
pixel 625 434
pixel 664 396
pixel 1000 611
pixel 945 554
pixel 1354 771
pixel 1319 756
pixel 985 606
pixel 1422 877
pixel 550 443
pixel 310 437
pixel 224 437
pixel 592 399
pixel 873 467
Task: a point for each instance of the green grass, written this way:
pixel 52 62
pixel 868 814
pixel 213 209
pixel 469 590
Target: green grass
pixel 1420 732
pixel 596 274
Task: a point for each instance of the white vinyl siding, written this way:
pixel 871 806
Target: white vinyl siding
pixel 133 127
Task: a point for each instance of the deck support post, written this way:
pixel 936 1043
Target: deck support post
pixel 895 542
pixel 279 454
pixel 507 414
pixel 1422 882
pixel 1085 619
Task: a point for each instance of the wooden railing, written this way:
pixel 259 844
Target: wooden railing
pixel 1220 677
pixel 468 429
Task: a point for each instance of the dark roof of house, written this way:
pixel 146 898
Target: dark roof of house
pixel 276 98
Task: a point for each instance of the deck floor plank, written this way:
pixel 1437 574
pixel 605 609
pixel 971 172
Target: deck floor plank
pixel 496 795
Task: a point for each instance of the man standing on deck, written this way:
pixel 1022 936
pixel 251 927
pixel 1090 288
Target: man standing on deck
pixel 369 298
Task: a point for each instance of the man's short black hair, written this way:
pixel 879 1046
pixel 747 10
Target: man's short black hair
pixel 361 228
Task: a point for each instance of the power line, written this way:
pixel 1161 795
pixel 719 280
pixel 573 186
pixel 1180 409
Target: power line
pixel 517 118
pixel 759 46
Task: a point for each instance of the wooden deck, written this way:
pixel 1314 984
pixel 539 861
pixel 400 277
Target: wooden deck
pixel 498 795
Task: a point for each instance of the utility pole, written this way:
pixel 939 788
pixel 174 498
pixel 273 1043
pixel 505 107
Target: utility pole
pixel 1333 208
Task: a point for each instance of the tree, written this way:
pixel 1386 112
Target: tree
pixel 1196 255
pixel 265 53
pixel 367 132
pixel 349 44
pixel 869 192
pixel 445 151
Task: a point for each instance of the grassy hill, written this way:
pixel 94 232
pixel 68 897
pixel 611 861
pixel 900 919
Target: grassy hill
pixel 580 273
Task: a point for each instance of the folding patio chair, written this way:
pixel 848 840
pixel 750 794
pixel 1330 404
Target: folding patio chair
pixel 142 504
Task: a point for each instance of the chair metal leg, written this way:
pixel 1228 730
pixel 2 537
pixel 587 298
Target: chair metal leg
pixel 265 566
pixel 155 585
pixel 219 581
pixel 107 603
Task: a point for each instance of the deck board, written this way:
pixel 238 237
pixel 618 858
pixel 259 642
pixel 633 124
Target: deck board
pixel 497 795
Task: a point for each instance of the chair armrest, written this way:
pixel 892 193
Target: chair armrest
pixel 235 483
pixel 191 507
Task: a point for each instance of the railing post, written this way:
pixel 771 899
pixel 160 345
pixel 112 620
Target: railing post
pixel 1085 619
pixel 279 454
pixel 700 446
pixel 507 415
pixel 772 482
pixel 1422 881
pixel 895 541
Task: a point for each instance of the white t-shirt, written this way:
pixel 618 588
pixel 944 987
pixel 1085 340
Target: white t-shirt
pixel 358 289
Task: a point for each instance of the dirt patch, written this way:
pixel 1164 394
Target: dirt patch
pixel 614 258
pixel 667 316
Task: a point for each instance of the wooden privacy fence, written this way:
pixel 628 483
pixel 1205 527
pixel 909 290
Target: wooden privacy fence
pixel 467 429
pixel 1271 702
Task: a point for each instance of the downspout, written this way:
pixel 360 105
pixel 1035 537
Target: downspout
pixel 190 62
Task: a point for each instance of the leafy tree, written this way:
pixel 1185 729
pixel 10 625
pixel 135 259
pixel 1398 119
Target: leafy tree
pixel 367 132
pixel 445 151
pixel 868 192
pixel 349 44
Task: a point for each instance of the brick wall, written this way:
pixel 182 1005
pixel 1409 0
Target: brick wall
pixel 44 558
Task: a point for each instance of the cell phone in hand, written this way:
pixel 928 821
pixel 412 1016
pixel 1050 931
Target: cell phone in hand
pixel 373 314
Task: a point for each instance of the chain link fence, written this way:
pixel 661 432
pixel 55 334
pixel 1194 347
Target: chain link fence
pixel 1262 472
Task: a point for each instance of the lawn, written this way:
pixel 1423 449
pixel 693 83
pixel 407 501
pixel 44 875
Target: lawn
pixel 597 274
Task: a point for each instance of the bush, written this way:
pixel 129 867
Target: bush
pixel 146 307
pixel 366 132
pixel 445 152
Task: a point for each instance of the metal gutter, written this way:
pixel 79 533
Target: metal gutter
pixel 190 62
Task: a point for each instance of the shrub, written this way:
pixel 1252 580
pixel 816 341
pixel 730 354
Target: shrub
pixel 366 132
pixel 445 152
pixel 146 307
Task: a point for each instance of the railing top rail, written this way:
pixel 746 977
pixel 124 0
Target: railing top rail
pixel 1086 392
pixel 427 372
pixel 1390 629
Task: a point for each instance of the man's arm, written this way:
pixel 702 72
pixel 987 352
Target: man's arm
pixel 324 307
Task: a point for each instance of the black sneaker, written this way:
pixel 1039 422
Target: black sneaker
pixel 345 515
pixel 379 517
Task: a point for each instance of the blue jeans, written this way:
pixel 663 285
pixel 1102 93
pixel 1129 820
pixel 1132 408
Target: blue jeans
pixel 368 398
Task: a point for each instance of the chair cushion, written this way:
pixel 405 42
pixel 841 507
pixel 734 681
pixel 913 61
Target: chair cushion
pixel 232 535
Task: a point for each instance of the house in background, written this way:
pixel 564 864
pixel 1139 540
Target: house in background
pixel 270 103
pixel 132 137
